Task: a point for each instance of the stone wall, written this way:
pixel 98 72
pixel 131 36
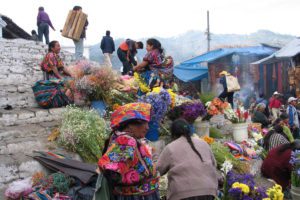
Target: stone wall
pixel 19 70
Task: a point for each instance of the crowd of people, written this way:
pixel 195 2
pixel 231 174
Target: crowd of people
pixel 132 173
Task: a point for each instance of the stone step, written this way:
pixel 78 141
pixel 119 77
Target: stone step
pixel 17 145
pixel 22 116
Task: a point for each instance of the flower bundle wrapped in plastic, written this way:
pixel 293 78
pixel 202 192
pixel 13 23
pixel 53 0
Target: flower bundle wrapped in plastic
pixel 84 132
pixel 242 187
pixel 160 103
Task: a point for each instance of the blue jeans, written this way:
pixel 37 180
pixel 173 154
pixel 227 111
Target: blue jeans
pixel 43 29
pixel 78 49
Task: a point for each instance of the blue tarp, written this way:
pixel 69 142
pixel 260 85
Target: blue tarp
pixel 195 69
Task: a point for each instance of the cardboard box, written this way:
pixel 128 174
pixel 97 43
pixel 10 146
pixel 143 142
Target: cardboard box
pixel 74 25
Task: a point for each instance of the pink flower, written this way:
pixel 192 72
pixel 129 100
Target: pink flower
pixel 131 177
pixel 112 166
pixel 145 151
pixel 131 142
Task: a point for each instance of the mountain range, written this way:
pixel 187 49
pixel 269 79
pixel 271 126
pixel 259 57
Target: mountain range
pixel 194 43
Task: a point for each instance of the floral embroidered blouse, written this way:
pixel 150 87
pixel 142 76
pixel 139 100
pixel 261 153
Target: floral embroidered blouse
pixel 130 165
pixel 154 59
pixel 50 61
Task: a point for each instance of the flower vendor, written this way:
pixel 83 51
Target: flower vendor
pixel 259 116
pixel 127 159
pixel 275 138
pixel 190 165
pixel 126 53
pixel 277 164
pixel 154 66
pixel 52 64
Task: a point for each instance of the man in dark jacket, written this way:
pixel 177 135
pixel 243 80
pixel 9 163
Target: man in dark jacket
pixel 108 47
pixel 126 53
pixel 79 48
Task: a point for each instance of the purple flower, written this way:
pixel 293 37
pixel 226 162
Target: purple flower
pixel 192 110
pixel 235 193
pixel 159 104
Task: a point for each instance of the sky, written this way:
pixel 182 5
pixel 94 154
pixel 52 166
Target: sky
pixel 164 18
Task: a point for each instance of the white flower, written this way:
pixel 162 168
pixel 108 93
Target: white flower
pixel 226 167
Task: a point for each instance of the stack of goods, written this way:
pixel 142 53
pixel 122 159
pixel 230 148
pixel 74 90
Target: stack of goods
pixel 74 24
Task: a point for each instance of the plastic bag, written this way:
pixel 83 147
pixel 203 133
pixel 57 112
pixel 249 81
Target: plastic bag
pixel 19 188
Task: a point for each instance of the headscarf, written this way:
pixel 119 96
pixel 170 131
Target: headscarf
pixel 131 111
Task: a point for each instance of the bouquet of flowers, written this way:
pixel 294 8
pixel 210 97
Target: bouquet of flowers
pixel 84 132
pixel 275 193
pixel 160 103
pixel 238 116
pixel 242 187
pixel 217 106
pixel 295 162
pixel 189 110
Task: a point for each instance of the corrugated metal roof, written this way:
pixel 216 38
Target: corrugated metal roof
pixel 288 51
pixel 219 53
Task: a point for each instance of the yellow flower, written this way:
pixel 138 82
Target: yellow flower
pixel 173 97
pixel 245 188
pixel 266 199
pixel 208 140
pixel 143 86
pixel 275 193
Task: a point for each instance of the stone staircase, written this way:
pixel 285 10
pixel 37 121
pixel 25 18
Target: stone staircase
pixel 23 131
pixel 25 127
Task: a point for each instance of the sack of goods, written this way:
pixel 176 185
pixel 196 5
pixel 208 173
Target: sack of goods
pixel 232 84
pixel 74 24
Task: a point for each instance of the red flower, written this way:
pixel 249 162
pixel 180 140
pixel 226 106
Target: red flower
pixel 122 140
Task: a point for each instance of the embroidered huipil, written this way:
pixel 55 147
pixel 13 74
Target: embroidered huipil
pixel 50 61
pixel 128 172
pixel 154 59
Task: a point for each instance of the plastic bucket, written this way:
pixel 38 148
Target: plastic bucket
pixel 202 128
pixel 240 132
pixel 295 195
pixel 99 106
pixel 295 189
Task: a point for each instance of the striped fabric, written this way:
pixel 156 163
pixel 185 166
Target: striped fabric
pixel 277 140
pixel 49 94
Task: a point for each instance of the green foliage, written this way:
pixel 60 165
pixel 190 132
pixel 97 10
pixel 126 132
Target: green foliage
pixel 84 132
pixel 222 153
pixel 215 133
pixel 206 97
